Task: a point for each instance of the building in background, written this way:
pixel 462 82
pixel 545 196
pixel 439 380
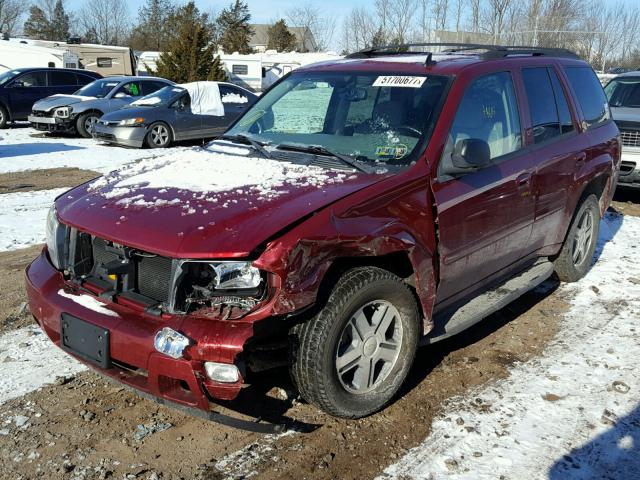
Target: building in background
pixel 305 41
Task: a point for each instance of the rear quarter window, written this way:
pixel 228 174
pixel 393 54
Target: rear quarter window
pixel 589 94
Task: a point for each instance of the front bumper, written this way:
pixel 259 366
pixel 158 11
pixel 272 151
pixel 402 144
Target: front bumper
pixel 630 168
pixel 127 136
pixel 50 124
pixel 135 362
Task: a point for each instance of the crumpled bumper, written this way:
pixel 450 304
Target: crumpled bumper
pixel 134 360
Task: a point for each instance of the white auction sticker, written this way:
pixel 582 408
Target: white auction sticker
pixel 399 81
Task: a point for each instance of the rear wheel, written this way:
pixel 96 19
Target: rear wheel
pixel 159 136
pixel 4 117
pixel 86 122
pixel 354 355
pixel 576 254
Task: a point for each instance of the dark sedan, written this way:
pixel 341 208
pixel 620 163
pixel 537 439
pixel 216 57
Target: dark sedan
pixel 180 112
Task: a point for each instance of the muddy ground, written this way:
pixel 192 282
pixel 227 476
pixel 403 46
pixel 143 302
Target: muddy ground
pixel 89 428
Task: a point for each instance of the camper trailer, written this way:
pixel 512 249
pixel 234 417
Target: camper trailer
pixel 147 62
pixel 14 54
pixel 103 59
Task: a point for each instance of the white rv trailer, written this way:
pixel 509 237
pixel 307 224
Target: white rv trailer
pixel 14 54
pixel 147 62
pixel 258 71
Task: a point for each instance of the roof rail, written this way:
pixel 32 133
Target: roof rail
pixel 488 51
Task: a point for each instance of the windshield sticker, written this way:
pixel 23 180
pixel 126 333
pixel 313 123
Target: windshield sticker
pixel 391 151
pixel 399 81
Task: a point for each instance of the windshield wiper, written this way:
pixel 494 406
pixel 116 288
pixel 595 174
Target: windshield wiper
pixel 248 141
pixel 320 150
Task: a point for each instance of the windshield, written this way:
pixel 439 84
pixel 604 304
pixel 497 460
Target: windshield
pixel 163 96
pixel 371 117
pixel 6 76
pixel 98 89
pixel 624 92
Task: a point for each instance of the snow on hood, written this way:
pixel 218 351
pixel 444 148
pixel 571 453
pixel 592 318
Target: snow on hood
pixel 203 203
pixel 147 101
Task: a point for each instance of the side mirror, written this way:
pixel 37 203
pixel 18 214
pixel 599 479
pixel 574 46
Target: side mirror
pixel 17 84
pixel 120 95
pixel 471 154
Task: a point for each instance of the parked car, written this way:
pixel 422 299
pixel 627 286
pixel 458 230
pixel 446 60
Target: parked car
pixel 358 209
pixel 80 112
pixel 623 93
pixel 181 112
pixel 22 87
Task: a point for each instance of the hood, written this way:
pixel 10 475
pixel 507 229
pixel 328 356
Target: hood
pixel 626 114
pixel 55 101
pixel 130 112
pixel 218 202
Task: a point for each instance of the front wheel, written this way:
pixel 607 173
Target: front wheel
pixel 576 254
pixel 86 123
pixel 159 136
pixel 4 117
pixel 353 356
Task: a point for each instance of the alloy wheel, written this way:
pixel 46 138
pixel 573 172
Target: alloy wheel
pixel 369 346
pixel 159 135
pixel 583 238
pixel 90 122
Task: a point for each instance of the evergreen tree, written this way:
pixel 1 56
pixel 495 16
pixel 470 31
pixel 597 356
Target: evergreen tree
pixel 59 23
pixel 234 28
pixel 152 33
pixel 379 38
pixel 217 73
pixel 190 48
pixel 280 37
pixel 37 25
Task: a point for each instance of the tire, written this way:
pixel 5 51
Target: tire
pixel 574 260
pixel 158 136
pixel 330 341
pixel 4 117
pixel 85 122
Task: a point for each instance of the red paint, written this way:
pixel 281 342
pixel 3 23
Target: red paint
pixel 486 222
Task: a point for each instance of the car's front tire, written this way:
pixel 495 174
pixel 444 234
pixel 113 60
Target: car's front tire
pixel 351 358
pixel 86 123
pixel 574 260
pixel 4 117
pixel 158 136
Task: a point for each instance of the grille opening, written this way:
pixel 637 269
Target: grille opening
pixel 630 138
pixel 627 167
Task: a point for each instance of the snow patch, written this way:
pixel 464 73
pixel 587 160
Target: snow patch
pixel 234 98
pixel 89 302
pixel 567 414
pixel 29 360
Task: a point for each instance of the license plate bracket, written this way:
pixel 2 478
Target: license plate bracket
pixel 85 340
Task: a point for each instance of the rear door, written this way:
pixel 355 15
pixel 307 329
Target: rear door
pixel 485 217
pixel 27 89
pixel 557 145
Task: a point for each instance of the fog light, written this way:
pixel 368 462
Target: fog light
pixel 222 372
pixel 170 342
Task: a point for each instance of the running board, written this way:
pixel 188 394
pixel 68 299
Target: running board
pixel 453 321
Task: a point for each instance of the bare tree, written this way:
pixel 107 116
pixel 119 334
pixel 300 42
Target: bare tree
pixel 11 12
pixel 311 18
pixel 358 30
pixel 106 21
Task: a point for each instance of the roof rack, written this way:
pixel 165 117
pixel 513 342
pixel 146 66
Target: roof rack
pixel 488 51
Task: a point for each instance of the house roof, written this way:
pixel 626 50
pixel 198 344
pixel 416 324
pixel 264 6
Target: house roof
pixel 303 35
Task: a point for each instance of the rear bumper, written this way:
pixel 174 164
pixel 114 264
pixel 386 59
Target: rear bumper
pixel 630 168
pixel 135 362
pixel 127 136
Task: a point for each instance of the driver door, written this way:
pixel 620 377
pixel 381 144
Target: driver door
pixel 26 90
pixel 485 217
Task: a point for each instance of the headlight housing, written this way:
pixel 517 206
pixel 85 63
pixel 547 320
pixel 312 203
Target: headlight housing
pixel 56 239
pixel 235 287
pixel 131 122
pixel 62 112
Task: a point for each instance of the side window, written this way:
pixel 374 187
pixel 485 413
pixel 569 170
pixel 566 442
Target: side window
pixel 230 94
pixel 131 89
pixel 150 86
pixel 33 79
pixel 566 122
pixel 240 69
pixel 488 111
pixel 542 105
pixel 57 78
pixel 590 95
pixel 84 79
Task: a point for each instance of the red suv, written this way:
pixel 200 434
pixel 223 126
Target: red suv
pixel 359 208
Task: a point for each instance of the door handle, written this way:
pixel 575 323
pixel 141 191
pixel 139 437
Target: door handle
pixel 524 181
pixel 581 158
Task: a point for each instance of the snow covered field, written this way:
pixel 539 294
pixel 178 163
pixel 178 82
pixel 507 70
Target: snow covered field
pixel 571 414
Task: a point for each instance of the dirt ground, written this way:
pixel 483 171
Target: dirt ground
pixel 44 179
pixel 87 428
